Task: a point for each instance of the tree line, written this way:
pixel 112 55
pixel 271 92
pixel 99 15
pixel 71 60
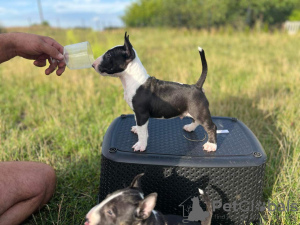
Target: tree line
pixel 210 13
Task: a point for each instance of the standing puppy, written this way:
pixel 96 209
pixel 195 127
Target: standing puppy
pixel 150 97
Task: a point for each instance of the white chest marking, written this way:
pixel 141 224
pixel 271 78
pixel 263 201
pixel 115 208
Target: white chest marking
pixel 132 78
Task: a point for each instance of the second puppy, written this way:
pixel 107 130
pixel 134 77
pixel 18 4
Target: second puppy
pixel 128 206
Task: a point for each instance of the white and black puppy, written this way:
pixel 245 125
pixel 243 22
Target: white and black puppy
pixel 129 207
pixel 150 97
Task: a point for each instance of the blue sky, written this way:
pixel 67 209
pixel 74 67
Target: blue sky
pixel 63 13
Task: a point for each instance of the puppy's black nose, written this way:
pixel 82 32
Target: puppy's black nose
pixel 93 66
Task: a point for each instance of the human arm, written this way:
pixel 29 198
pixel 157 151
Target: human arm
pixel 35 47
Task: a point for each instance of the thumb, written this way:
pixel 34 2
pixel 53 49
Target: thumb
pixel 52 52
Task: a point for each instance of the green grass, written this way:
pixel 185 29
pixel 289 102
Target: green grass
pixel 61 121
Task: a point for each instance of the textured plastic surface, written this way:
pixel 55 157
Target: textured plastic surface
pixel 176 185
pixel 175 168
pixel 168 146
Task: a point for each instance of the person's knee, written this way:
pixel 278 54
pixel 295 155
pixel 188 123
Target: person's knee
pixel 41 182
pixel 47 183
pixel 50 183
pixel 25 181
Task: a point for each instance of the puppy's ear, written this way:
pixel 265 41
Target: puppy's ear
pixel 146 206
pixel 136 183
pixel 130 55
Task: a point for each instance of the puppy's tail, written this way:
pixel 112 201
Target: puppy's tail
pixel 202 78
pixel 207 202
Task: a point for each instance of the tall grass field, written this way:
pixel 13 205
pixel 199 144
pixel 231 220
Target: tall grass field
pixel 61 121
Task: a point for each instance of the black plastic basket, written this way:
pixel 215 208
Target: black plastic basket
pixel 175 166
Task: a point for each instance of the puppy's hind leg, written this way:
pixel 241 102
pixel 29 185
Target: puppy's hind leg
pixel 142 132
pixel 211 129
pixel 191 127
pixel 204 119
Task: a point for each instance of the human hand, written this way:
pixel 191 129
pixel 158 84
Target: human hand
pixel 40 49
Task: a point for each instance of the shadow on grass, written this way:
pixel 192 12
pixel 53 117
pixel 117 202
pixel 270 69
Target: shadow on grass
pixel 263 125
pixel 264 128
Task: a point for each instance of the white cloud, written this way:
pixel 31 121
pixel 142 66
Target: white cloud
pixel 64 13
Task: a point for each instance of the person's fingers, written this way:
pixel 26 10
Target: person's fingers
pixel 54 43
pixel 59 47
pixel 52 52
pixel 60 71
pixel 42 57
pixel 61 64
pixel 52 66
pixel 61 68
pixel 40 63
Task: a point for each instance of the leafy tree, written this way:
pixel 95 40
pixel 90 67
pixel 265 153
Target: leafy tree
pixel 295 15
pixel 207 13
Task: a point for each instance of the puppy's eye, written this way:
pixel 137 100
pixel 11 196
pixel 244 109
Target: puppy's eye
pixel 108 55
pixel 110 212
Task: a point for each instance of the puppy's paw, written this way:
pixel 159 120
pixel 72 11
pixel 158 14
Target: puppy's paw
pixel 139 147
pixel 189 127
pixel 210 147
pixel 134 129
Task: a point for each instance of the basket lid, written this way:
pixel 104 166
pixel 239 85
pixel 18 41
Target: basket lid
pixel 170 145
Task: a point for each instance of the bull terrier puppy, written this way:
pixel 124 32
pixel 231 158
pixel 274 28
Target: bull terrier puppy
pixel 150 97
pixel 128 206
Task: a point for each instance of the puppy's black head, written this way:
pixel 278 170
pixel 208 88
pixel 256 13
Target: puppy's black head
pixel 126 206
pixel 115 60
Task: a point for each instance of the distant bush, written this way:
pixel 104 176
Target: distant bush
pixel 207 13
pixel 295 16
pixel 45 23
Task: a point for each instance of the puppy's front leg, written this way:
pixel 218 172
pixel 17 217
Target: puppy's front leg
pixel 142 131
pixel 134 129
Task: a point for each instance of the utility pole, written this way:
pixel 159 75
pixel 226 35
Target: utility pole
pixel 41 11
